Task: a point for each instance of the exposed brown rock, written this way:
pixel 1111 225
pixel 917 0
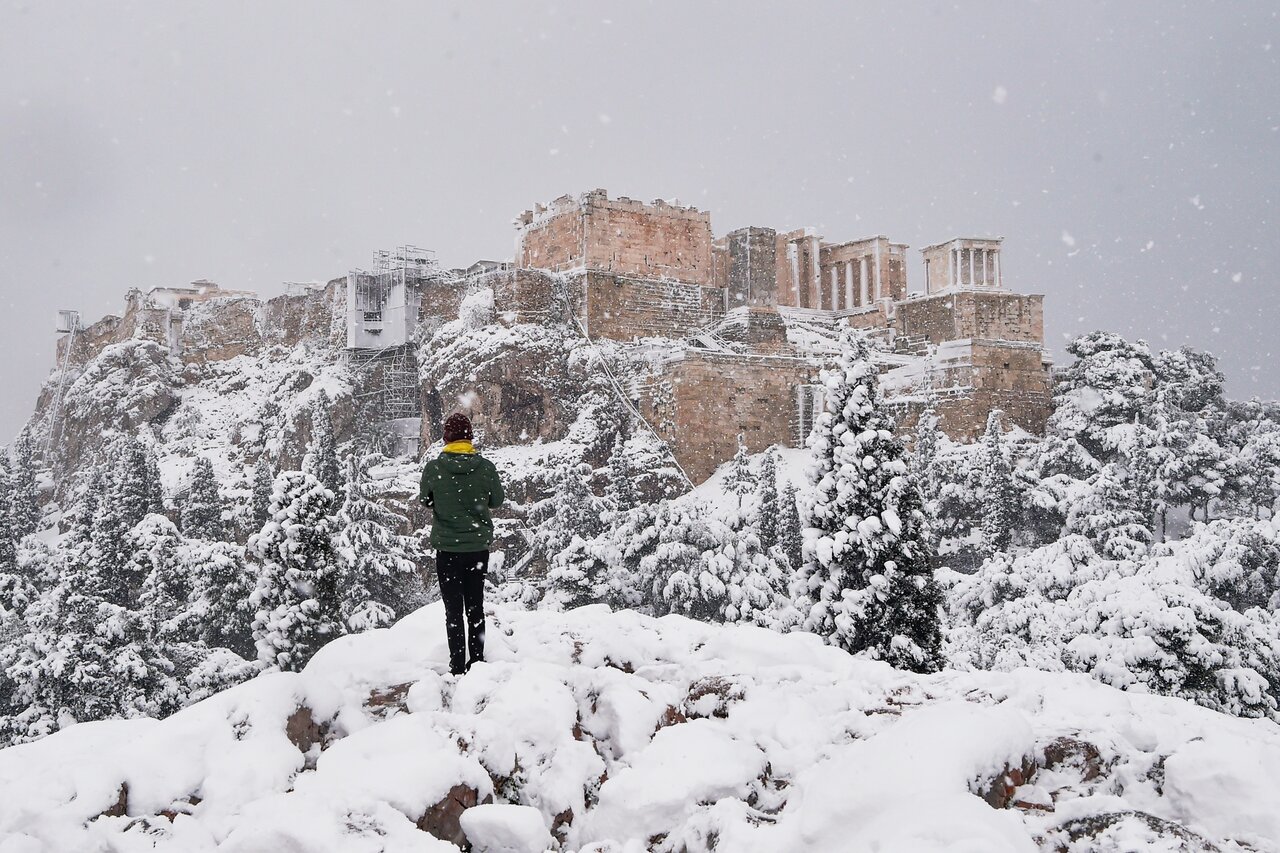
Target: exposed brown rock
pixel 998 792
pixel 120 807
pixel 443 820
pixel 1094 826
pixel 305 732
pixel 387 700
pixel 560 825
pixel 672 716
pixel 711 696
pixel 1073 752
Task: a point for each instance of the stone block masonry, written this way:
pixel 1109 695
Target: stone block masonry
pixel 622 236
pixel 701 401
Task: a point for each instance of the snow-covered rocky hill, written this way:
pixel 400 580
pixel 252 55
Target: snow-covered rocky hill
pixel 601 731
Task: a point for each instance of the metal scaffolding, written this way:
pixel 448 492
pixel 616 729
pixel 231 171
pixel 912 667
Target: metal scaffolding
pixel 383 315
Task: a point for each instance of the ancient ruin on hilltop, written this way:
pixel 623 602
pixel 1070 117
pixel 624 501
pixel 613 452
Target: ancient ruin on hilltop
pixel 727 333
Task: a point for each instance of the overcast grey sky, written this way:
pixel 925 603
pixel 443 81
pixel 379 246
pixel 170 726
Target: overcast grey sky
pixel 1129 151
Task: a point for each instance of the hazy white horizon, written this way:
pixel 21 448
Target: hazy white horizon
pixel 1128 152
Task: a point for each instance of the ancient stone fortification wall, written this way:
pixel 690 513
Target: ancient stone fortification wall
pixel 701 402
pixel 961 314
pixel 620 235
pixel 623 308
pixel 973 377
pixel 519 295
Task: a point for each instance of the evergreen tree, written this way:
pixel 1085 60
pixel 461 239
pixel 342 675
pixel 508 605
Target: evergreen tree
pixel 81 657
pixel 202 510
pixel 24 506
pixel 32 572
pixel 1109 513
pixel 790 535
pixel 128 496
pixel 221 584
pixel 621 550
pixel 768 509
pixel 379 578
pixel 322 453
pixel 162 600
pixel 866 584
pixel 999 498
pixel 740 481
pixel 296 601
pixel 264 477
pixel 926 468
pixel 621 491
pixel 573 573
pixel 8 541
pixel 152 483
pixel 680 579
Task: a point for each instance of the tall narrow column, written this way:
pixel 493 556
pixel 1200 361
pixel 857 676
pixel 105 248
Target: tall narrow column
pixel 879 292
pixel 863 280
pixel 955 267
pixel 835 288
pixel 793 258
pixel 972 280
pixel 815 273
pixel 848 284
pixel 996 264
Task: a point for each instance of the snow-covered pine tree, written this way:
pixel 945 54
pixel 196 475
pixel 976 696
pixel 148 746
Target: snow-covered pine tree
pixel 740 482
pixel 621 491
pixel 30 574
pixel 768 511
pixel 322 453
pixel 296 601
pixel 999 498
pixel 790 530
pixel 632 536
pixel 925 466
pixel 128 496
pixel 8 542
pixel 152 482
pixel 573 573
pixel 379 578
pixel 81 657
pixel 162 601
pixel 218 609
pixel 866 584
pixel 264 476
pixel 676 571
pixel 924 453
pixel 24 506
pixel 1110 514
pixel 202 509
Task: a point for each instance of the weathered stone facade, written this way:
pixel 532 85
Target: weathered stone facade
pixel 703 400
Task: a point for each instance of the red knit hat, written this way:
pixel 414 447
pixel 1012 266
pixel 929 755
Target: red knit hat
pixel 457 428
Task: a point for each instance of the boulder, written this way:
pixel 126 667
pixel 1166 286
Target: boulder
pixel 506 829
pixel 444 819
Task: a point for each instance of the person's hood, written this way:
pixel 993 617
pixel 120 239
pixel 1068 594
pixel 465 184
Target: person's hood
pixel 460 463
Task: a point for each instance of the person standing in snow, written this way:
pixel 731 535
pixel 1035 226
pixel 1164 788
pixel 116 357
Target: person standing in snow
pixel 461 487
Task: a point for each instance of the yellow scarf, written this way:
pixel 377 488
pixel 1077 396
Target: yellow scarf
pixel 463 446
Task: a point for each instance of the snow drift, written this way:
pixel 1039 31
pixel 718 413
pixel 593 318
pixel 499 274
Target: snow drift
pixel 600 731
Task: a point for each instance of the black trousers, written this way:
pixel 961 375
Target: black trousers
pixel 461 576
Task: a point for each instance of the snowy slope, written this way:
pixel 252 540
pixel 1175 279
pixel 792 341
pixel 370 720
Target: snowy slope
pixel 626 733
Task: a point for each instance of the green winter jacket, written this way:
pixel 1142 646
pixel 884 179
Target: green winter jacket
pixel 461 488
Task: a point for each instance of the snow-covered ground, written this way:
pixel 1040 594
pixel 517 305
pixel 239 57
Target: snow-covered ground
pixel 621 732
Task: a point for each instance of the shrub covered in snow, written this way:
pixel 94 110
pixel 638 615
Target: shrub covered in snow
pixel 1152 624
